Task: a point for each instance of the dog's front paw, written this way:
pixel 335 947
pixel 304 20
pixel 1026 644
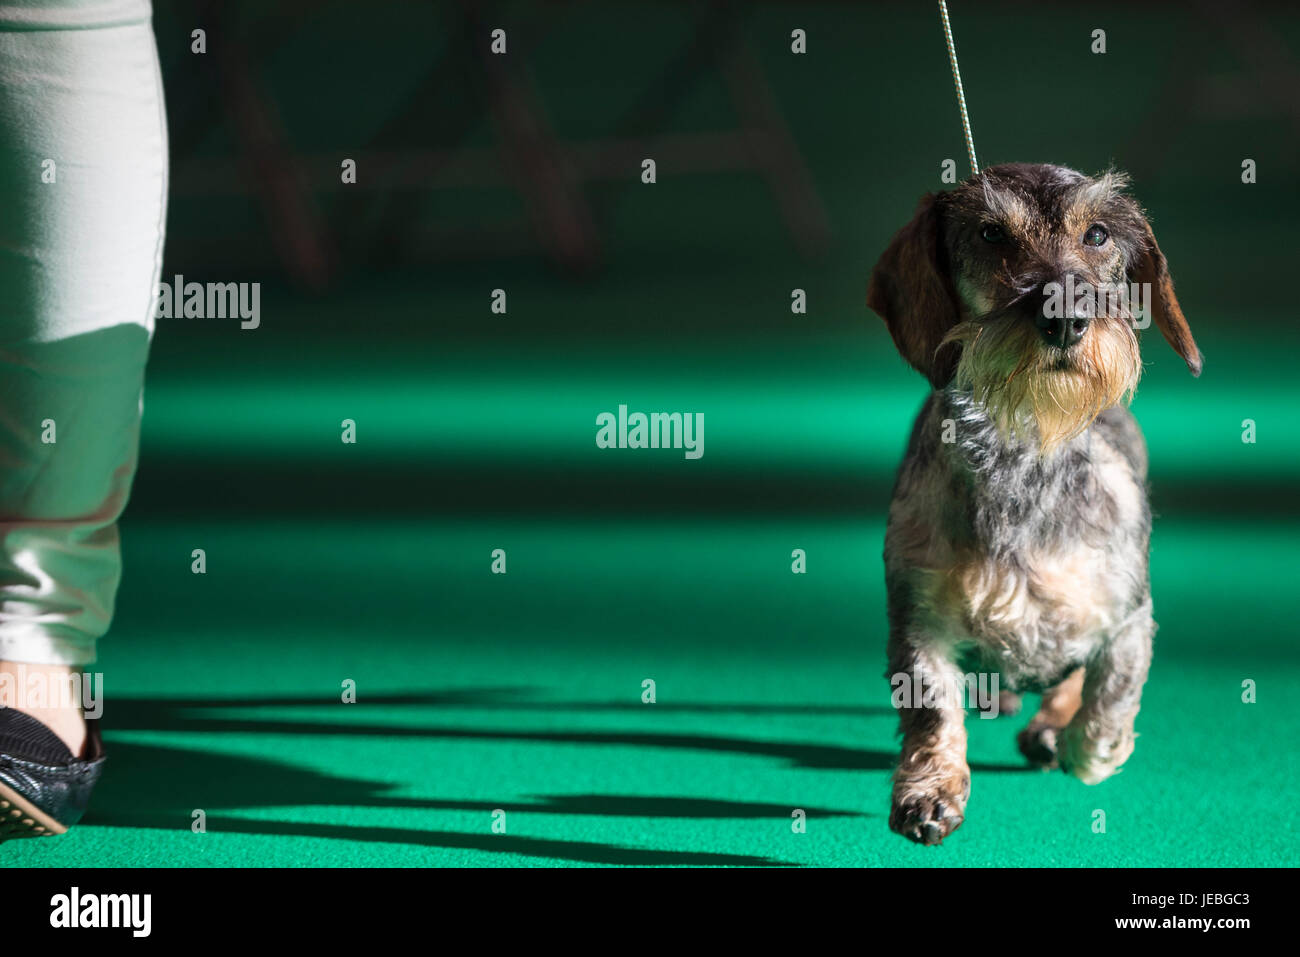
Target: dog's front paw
pixel 929 814
pixel 1091 760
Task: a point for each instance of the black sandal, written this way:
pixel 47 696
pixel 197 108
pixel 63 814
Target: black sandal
pixel 44 790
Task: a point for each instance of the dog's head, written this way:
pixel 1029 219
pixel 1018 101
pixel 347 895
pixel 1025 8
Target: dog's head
pixel 1026 284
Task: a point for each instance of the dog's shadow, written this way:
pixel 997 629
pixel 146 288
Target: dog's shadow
pixel 154 786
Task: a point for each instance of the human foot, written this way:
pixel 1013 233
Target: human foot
pixel 44 789
pixel 45 693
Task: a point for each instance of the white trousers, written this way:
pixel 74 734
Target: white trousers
pixel 83 192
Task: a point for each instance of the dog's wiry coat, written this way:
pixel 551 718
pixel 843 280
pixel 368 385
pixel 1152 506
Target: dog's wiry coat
pixel 1019 546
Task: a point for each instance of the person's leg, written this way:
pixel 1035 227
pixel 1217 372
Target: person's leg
pixel 83 183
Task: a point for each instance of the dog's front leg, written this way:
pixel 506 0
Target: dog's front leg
pixel 1100 736
pixel 932 783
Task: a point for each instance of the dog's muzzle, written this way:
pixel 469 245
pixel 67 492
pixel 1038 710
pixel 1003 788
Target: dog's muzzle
pixel 1057 317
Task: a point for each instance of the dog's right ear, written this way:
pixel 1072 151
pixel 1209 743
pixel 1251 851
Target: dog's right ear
pixel 1153 271
pixel 911 291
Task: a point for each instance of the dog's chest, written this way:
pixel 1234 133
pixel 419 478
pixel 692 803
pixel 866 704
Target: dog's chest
pixel 1028 614
pixel 1027 563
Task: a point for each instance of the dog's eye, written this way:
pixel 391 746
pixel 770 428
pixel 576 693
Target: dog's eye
pixel 1095 236
pixel 993 233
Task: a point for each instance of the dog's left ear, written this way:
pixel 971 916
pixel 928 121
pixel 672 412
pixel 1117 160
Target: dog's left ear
pixel 911 292
pixel 1165 312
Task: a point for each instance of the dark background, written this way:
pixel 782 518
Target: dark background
pixel 776 171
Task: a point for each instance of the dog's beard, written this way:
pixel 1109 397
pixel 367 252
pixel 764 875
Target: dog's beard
pixel 1033 392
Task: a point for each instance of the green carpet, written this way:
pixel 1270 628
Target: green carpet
pixel 522 692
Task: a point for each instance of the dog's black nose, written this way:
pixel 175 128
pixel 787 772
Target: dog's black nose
pixel 1062 331
pixel 1059 323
